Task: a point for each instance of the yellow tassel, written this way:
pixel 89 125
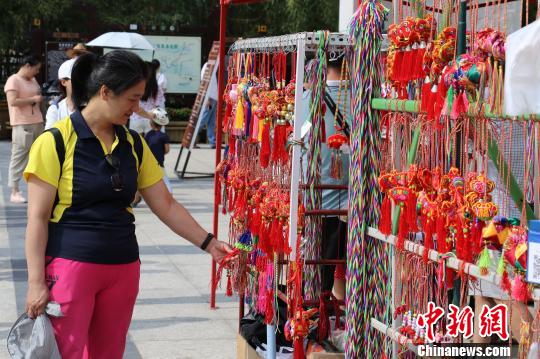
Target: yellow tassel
pixel 261 124
pixel 239 120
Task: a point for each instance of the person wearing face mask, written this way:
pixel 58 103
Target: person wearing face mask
pixel 23 95
pixel 63 108
pixel 81 247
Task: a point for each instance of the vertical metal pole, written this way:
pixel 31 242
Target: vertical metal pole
pixel 270 342
pixel 219 119
pixel 461 47
pixel 536 176
pixel 396 323
pixel 295 170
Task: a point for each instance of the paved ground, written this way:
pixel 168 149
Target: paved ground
pixel 172 318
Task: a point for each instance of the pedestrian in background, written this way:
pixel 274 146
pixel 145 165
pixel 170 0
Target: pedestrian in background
pixel 23 95
pixel 81 248
pixel 158 141
pixel 162 83
pixel 208 116
pixel 63 107
pixel 140 120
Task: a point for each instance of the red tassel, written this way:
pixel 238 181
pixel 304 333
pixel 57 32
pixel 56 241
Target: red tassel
pixel 228 114
pixel 275 236
pixel 442 245
pixel 299 348
pixel 440 98
pixel 230 199
pixel 264 238
pixel 459 240
pixel 396 66
pixel 255 224
pixel 324 321
pixel 506 285
pixel 278 145
pixel 432 99
pixel 406 66
pixel 411 212
pixel 265 145
pixel 428 241
pixel 426 95
pixel 385 221
pixel 419 71
pixel 520 292
pixel 232 143
pixel 229 291
pixel 269 312
pixel 476 239
pixel 402 232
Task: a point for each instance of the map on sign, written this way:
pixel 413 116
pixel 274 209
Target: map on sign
pixel 180 59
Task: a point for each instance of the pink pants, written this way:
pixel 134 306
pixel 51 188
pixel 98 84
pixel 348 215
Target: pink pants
pixel 97 301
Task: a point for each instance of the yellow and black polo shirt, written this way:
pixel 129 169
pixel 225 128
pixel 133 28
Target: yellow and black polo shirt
pixel 91 222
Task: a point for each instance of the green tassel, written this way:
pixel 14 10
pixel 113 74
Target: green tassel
pixel 501 266
pixel 449 100
pixel 483 261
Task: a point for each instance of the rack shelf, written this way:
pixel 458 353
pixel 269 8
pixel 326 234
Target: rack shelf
pixel 394 335
pixel 451 262
pixel 412 106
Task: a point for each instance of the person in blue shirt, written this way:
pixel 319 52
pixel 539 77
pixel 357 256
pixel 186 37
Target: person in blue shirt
pixel 158 142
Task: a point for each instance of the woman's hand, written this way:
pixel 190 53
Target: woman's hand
pixel 219 250
pixel 37 98
pixel 37 298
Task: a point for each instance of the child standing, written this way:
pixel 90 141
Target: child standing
pixel 159 141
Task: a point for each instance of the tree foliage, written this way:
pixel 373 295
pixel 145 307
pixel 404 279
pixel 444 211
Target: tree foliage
pixel 89 17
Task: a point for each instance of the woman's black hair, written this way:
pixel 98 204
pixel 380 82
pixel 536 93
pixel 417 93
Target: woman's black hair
pixel 156 64
pixel 151 88
pixel 335 63
pixel 30 60
pixel 119 70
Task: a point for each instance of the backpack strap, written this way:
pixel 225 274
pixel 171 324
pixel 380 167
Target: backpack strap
pixel 336 112
pixel 60 146
pixel 137 146
pixel 61 152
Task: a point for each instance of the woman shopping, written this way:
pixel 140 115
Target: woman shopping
pixel 82 175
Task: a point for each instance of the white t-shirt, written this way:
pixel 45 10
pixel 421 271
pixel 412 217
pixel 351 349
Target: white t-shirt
pixel 162 88
pixel 139 123
pixel 56 112
pixel 212 90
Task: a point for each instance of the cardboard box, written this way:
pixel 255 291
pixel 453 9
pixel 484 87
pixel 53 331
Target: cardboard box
pixel 244 350
pixel 326 356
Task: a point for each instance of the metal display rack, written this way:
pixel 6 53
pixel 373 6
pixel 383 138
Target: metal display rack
pixel 300 43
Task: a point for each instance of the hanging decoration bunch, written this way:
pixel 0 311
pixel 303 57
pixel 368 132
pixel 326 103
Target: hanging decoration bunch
pixel 408 43
pixel 449 84
pixel 259 116
pixel 454 214
pixel 317 136
pixel 365 277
